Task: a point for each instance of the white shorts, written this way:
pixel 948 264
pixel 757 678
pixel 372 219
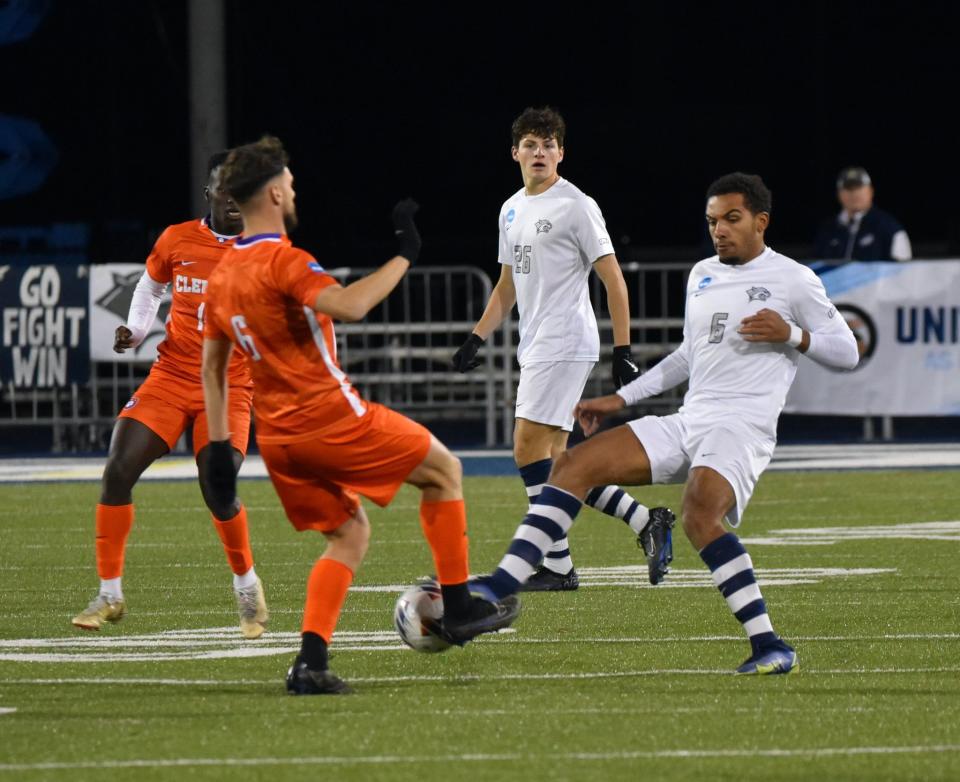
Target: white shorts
pixel 675 444
pixel 548 391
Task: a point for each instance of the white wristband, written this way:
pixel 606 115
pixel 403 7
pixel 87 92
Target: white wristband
pixel 796 337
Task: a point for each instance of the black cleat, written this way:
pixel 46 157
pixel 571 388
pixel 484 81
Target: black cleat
pixel 305 681
pixel 485 617
pixel 545 580
pixel 656 540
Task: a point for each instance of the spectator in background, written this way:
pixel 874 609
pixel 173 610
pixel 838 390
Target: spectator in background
pixel 861 232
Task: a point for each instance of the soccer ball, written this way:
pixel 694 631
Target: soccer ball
pixel 417 609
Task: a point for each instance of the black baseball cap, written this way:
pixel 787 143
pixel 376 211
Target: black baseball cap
pixel 852 178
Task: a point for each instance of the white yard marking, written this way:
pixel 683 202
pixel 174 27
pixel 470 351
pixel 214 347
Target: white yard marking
pixel 827 536
pixel 214 643
pixel 6 710
pixel 389 760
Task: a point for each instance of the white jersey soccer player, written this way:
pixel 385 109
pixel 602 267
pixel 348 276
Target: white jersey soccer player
pixel 737 388
pixel 552 236
pixel 750 313
pixel 551 241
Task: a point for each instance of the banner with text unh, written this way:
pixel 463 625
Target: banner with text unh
pixel 43 318
pixel 906 317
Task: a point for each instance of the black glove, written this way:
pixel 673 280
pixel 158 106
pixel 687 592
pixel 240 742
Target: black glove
pixel 625 369
pixel 465 358
pixel 221 474
pixel 408 237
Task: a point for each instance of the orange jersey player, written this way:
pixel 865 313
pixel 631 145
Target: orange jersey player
pixel 169 400
pixel 322 443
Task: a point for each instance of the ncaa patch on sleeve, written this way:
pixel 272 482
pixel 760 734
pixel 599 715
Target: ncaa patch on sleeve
pixel 314 266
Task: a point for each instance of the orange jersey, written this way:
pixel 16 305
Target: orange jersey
pixel 261 297
pixel 185 255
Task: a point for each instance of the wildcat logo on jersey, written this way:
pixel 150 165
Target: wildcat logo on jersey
pixel 544 226
pixel 758 294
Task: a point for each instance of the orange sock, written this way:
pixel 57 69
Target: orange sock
pixel 236 541
pixel 113 523
pixel 326 591
pixel 444 526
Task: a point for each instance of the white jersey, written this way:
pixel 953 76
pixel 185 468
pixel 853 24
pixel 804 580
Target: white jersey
pixel 730 377
pixel 552 240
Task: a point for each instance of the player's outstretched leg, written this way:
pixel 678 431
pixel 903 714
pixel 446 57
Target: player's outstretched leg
pixel 556 572
pixel 547 521
pixel 653 526
pixel 133 448
pixel 230 524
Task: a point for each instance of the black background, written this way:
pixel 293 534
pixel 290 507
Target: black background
pixel 376 101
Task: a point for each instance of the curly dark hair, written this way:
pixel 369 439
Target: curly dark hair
pixel 250 167
pixel 756 195
pixel 543 122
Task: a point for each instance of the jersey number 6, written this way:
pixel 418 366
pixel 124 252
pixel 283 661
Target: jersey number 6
pixel 244 341
pixel 717 326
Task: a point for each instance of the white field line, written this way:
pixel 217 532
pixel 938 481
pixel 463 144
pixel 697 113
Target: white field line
pixel 454 679
pixel 5 710
pixel 388 760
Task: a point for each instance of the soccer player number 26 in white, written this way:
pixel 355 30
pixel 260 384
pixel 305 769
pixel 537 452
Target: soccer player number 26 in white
pixel 244 340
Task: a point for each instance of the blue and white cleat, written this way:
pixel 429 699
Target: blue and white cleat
pixel 778 657
pixel 656 540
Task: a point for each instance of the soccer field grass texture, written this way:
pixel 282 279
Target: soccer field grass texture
pixel 619 680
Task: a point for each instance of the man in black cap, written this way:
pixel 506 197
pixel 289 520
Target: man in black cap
pixel 861 232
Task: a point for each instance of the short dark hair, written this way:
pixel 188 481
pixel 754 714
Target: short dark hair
pixel 756 195
pixel 544 122
pixel 250 167
pixel 216 160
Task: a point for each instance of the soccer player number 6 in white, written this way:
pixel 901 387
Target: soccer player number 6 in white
pixel 718 326
pixel 245 341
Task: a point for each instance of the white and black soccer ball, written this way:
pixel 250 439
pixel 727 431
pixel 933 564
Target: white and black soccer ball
pixel 417 613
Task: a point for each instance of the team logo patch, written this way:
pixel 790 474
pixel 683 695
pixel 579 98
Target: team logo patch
pixel 132 403
pixel 758 294
pixel 314 266
pixel 704 282
pixel 511 214
pixel 544 226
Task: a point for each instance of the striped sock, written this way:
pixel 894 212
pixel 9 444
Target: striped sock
pixel 614 501
pixel 732 572
pixel 546 522
pixel 557 558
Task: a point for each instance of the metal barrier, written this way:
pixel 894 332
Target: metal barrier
pixel 399 355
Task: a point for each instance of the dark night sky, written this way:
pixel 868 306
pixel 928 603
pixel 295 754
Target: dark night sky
pixel 380 101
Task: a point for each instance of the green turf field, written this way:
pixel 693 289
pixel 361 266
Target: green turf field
pixel 618 681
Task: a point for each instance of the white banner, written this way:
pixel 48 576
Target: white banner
pixel 111 290
pixel 906 317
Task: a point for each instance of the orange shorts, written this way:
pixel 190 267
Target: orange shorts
pixel 167 404
pixel 318 480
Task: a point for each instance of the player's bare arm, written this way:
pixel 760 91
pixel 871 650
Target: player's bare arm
pixel 216 357
pixel 502 299
pixel 618 302
pixel 354 301
pixel 591 412
pixel 768 326
pixel 122 339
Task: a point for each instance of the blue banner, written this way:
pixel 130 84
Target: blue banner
pixel 44 326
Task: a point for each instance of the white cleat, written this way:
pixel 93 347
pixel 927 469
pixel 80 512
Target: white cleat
pixel 253 610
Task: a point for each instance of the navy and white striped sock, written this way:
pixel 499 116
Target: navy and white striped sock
pixel 614 501
pixel 546 522
pixel 534 477
pixel 732 572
